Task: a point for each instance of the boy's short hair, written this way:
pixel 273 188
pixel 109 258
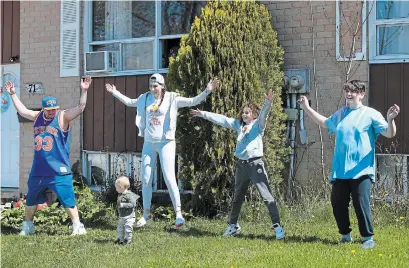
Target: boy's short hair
pixel 123 181
pixel 355 86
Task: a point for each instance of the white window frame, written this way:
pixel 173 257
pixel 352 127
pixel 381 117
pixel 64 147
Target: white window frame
pixel 360 55
pixel 373 42
pixel 156 46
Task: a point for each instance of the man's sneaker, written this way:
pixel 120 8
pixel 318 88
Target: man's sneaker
pixel 179 222
pixel 78 229
pixel 368 244
pixel 232 230
pixel 127 242
pixel 28 228
pixel 142 221
pixel 279 231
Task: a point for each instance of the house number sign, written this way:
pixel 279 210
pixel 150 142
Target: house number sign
pixel 35 88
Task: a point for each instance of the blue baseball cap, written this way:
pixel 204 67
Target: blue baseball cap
pixel 50 103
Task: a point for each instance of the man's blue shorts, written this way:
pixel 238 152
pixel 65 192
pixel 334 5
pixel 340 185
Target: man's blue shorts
pixel 61 185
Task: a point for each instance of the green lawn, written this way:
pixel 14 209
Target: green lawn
pixel 311 241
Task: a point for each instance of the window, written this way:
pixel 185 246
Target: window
pixel 144 34
pixel 159 184
pixel 101 168
pixel 97 169
pixel 351 24
pixel 118 164
pixel 389 32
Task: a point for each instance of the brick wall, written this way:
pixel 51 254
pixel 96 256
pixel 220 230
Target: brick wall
pixel 297 31
pixel 40 62
pixel 40 56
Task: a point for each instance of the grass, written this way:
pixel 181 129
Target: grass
pixel 311 241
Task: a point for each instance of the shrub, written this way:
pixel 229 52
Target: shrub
pixel 51 219
pixel 233 40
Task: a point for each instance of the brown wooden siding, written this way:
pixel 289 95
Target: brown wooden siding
pixel 388 85
pixel 10 30
pixel 108 124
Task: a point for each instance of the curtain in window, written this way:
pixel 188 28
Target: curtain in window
pixel 177 16
pixel 118 20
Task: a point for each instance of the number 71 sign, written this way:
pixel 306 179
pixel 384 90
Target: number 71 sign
pixel 36 88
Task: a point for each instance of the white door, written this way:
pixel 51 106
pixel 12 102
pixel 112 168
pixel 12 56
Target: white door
pixel 10 129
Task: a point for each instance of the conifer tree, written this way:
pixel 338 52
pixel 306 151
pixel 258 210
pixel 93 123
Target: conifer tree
pixel 234 41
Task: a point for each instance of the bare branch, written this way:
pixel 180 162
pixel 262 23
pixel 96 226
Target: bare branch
pixel 316 92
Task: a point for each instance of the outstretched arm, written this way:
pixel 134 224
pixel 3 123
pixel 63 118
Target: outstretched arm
pixel 315 116
pixel 189 102
pixel 265 110
pixel 218 119
pixel 73 112
pixel 390 116
pixel 124 99
pixel 21 109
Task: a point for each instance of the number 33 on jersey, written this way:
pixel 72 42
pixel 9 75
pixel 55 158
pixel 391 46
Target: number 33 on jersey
pixel 51 147
pixel 45 143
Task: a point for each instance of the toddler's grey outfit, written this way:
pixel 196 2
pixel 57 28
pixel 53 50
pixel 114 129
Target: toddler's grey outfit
pixel 249 166
pixel 126 205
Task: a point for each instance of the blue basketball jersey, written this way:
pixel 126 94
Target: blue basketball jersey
pixel 51 147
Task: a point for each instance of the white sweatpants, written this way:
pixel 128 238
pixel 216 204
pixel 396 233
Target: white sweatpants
pixel 166 151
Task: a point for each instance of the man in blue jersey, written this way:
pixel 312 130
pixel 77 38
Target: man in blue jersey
pixel 51 167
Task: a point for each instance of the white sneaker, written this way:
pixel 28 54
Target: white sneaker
pixel 232 230
pixel 142 221
pixel 179 222
pixel 279 231
pixel 78 229
pixel 368 244
pixel 28 228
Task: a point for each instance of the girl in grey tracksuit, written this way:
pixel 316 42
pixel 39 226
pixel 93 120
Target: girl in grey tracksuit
pixel 249 166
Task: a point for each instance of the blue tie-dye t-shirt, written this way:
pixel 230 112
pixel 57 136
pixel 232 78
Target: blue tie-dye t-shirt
pixel 356 132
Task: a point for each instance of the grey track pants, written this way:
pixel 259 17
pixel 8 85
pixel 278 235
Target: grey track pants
pixel 125 228
pixel 252 170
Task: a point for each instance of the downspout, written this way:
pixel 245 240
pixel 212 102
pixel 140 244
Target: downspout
pixel 287 136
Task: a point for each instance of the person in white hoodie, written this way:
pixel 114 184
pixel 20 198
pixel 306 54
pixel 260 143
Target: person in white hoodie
pixel 156 120
pixel 250 128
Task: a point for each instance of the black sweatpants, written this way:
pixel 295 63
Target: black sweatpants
pixel 360 190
